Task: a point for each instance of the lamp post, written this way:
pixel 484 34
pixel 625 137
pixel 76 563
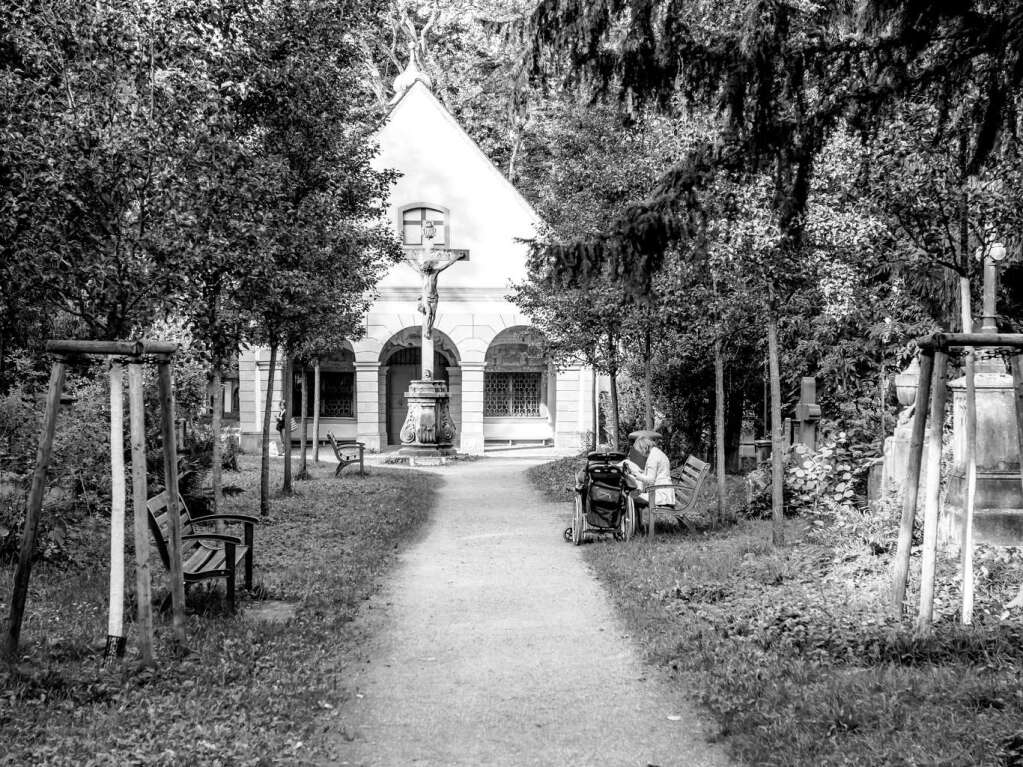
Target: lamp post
pixel 992 256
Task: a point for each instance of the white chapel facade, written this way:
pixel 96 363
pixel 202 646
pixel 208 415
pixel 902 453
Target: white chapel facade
pixel 503 391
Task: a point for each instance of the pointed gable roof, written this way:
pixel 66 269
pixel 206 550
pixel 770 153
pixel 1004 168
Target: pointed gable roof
pixel 443 167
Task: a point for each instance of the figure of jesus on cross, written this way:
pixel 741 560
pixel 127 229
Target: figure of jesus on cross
pixel 430 263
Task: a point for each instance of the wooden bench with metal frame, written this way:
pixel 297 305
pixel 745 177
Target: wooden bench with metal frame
pixel 348 453
pixel 204 554
pixel 687 483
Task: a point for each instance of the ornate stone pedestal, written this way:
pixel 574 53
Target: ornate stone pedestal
pixel 998 512
pixel 428 431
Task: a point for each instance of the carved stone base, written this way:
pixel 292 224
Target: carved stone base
pixel 428 428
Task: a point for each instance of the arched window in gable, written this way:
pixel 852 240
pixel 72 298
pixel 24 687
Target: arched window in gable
pixel 417 219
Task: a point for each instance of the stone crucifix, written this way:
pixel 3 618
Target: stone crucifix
pixel 429 263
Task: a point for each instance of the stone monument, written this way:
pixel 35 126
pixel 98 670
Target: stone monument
pixel 429 431
pixel 998 507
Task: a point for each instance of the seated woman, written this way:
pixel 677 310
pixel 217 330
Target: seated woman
pixel 656 472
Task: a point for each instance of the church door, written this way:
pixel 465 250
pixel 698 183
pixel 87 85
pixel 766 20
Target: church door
pixel 399 376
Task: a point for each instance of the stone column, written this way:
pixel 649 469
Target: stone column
pixel 367 403
pixel 472 408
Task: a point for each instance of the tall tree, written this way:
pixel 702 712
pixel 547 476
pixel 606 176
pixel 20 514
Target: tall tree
pixel 304 105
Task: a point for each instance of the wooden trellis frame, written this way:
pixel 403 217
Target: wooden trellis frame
pixel 931 395
pixel 135 354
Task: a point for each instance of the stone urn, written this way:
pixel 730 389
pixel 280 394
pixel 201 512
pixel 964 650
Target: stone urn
pixel 907 381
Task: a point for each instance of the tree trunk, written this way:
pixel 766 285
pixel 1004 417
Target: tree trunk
pixel 216 426
pixel 288 487
pixel 303 468
pixel 648 381
pixel 615 438
pixel 596 413
pixel 316 410
pixel 719 426
pixel 734 401
pixel 264 467
pixel 777 435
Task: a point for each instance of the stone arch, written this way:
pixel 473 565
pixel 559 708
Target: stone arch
pixel 400 363
pixel 411 338
pixel 519 387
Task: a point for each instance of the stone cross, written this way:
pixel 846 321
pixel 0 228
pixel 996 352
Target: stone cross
pixel 808 413
pixel 429 264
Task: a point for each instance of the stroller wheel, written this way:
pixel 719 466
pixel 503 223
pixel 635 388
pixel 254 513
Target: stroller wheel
pixel 628 525
pixel 578 521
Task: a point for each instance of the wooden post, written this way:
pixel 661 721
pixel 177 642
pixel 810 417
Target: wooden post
pixel 35 505
pixel 303 466
pixel 316 410
pixel 911 489
pixel 286 382
pixel 970 457
pixel 139 493
pixel 932 494
pixel 1016 365
pixel 778 429
pixel 719 427
pixel 115 615
pixel 170 473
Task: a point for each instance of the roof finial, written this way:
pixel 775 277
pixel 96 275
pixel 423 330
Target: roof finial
pixel 408 78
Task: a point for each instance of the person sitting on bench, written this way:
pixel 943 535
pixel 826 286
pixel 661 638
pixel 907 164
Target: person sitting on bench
pixel 656 472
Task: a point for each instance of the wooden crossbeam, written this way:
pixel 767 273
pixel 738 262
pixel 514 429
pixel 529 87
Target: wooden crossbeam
pixel 946 341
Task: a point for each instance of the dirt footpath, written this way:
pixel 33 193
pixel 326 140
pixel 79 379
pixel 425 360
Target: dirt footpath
pixel 494 645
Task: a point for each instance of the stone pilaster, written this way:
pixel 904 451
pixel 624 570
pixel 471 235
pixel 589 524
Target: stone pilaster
pixel 472 439
pixel 367 403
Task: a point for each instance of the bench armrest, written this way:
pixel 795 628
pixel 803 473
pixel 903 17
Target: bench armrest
pixel 212 537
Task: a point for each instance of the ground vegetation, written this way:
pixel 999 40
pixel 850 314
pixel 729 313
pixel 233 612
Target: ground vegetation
pixel 790 651
pixel 245 692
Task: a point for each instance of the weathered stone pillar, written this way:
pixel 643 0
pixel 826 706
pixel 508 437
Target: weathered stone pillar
pixel 428 430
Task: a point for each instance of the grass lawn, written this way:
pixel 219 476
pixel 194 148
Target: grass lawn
pixel 790 650
pixel 251 692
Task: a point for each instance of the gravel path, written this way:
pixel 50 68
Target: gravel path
pixel 494 645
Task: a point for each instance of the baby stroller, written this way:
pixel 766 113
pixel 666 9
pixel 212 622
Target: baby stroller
pixel 603 502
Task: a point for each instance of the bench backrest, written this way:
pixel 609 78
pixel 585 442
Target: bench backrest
pixel 689 478
pixel 159 523
pixel 344 450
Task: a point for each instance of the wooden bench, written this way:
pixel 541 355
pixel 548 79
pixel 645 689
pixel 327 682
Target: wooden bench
pixel 687 483
pixel 204 554
pixel 348 453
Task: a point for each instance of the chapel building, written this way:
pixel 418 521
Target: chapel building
pixel 503 389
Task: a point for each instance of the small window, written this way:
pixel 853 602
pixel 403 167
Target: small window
pixel 512 394
pixel 414 221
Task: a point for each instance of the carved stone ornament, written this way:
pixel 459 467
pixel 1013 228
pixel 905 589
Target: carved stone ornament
pixel 446 432
pixel 407 435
